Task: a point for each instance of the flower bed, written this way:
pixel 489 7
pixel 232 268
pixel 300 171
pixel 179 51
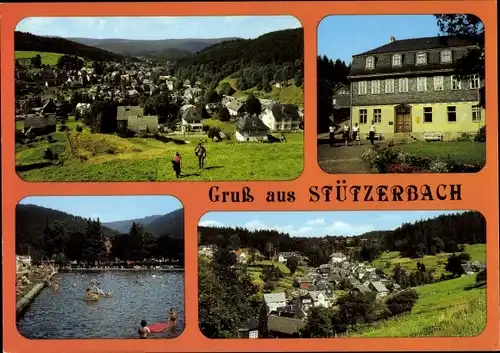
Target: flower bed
pixel 385 158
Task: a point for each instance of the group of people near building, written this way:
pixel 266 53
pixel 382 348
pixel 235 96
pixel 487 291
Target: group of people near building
pixel 348 135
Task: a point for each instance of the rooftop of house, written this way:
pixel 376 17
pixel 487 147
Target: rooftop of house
pixel 123 112
pixel 425 43
pixel 284 325
pixel 191 114
pixel 274 297
pixel 379 286
pixel 251 123
pixel 38 121
pixel 285 111
pixel 234 105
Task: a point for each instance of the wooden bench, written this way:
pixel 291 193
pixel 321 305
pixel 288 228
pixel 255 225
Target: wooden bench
pixel 378 136
pixel 433 136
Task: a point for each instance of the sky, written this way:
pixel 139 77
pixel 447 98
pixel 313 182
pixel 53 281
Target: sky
pixel 108 208
pixel 318 224
pixel 157 27
pixel 341 37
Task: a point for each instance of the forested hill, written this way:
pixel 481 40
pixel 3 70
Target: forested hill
pixel 24 41
pixel 31 220
pixel 275 56
pixel 171 223
pixel 426 237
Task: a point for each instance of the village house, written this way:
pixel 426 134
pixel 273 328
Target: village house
pixel 302 299
pixel 379 288
pixel 341 102
pixel 38 125
pixel 408 89
pixel 132 119
pixel 241 257
pixel 319 299
pixel 281 117
pixel 275 301
pixel 192 121
pixel 284 327
pixel 305 283
pixel 235 107
pixel 251 129
pixel 337 258
pixel 212 107
pixel 284 256
pixel 325 287
pixel 250 329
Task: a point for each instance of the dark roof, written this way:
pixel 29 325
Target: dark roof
pixel 415 44
pixel 250 123
pixel 191 114
pixel 284 111
pixel 285 325
pixel 250 325
pixel 36 122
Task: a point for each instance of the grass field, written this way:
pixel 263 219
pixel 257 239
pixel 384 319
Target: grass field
pixel 285 284
pixel 453 308
pixel 465 152
pixel 437 262
pixel 289 95
pixel 47 58
pixel 100 157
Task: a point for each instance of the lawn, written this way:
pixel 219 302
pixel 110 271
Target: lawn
pixel 47 58
pixel 464 152
pixel 436 262
pixel 100 157
pixel 285 284
pixel 290 94
pixel 453 308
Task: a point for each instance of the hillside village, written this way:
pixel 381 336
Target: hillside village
pixel 293 291
pixel 65 103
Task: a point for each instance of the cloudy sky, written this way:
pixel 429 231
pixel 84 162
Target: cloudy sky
pixel 157 27
pixel 108 208
pixel 317 224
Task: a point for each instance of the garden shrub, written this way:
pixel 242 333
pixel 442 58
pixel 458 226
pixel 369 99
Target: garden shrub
pixel 403 168
pixel 402 302
pixel 438 167
pixel 481 134
pixel 79 128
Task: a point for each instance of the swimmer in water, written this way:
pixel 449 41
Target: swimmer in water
pixel 88 294
pixel 143 330
pixel 172 317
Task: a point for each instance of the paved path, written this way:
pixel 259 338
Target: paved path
pixel 341 159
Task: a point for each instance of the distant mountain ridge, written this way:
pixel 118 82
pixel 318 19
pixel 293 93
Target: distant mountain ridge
pixel 165 48
pixel 171 223
pixel 24 41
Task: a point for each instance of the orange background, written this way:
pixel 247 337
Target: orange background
pixel 480 191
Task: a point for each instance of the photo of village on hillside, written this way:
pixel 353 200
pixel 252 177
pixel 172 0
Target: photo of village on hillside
pixel 100 267
pixel 159 99
pixel 342 274
pixel 407 96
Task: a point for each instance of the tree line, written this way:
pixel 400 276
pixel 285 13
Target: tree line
pixel 444 233
pixel 63 244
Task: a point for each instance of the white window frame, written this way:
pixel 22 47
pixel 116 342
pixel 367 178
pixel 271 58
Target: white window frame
pixel 475 82
pixel 403 88
pixel 370 62
pixel 389 85
pixel 454 110
pixel 438 83
pixel 477 113
pixel 363 113
pixel 362 88
pixel 421 84
pixel 375 87
pixel 419 56
pixel 397 60
pixel 427 113
pixel 377 116
pixel 456 84
pixel 446 56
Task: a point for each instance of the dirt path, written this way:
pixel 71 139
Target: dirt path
pixel 341 159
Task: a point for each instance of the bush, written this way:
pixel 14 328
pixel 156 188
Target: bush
pixel 380 157
pixel 48 154
pixel 481 276
pixel 213 132
pixel 438 167
pixel 403 168
pixel 481 134
pixel 402 302
pixel 79 128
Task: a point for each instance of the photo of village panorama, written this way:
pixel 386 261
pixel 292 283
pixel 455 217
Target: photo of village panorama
pixel 407 98
pixel 342 274
pixel 159 98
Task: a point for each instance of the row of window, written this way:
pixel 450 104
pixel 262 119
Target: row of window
pixel 474 83
pixel 420 59
pixel 451 112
